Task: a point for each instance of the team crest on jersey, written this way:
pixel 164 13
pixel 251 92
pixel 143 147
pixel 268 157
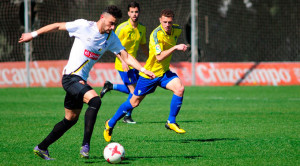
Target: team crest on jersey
pixel 129 35
pixel 157 48
pixel 139 91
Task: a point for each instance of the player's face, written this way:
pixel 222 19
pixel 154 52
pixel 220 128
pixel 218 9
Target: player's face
pixel 133 14
pixel 109 23
pixel 166 23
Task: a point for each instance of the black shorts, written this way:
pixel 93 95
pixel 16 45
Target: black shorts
pixel 75 88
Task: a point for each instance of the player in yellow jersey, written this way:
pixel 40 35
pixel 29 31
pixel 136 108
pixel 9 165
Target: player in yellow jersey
pixel 163 42
pixel 132 34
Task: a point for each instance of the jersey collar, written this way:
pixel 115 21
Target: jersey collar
pixel 165 33
pixel 131 24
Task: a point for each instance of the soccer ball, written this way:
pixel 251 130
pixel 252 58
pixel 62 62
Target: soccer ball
pixel 114 153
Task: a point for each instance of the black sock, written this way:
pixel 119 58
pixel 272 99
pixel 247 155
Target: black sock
pixel 90 119
pixel 59 129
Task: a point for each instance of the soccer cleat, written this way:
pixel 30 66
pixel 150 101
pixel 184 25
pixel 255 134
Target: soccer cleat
pixel 128 119
pixel 106 88
pixel 84 151
pixel 107 132
pixel 44 154
pixel 175 127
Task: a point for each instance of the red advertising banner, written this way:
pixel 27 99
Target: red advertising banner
pixel 229 73
pixel 48 73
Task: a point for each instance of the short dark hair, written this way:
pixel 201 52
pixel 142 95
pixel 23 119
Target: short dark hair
pixel 133 4
pixel 167 13
pixel 114 11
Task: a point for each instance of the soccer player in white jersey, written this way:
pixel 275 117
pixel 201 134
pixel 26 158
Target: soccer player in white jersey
pixel 92 40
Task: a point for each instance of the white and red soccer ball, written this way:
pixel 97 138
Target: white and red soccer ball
pixel 114 153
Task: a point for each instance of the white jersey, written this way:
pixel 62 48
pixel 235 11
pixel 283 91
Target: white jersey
pixel 88 47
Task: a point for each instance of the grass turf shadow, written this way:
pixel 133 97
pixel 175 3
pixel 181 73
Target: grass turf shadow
pixel 127 160
pixel 196 140
pixel 179 121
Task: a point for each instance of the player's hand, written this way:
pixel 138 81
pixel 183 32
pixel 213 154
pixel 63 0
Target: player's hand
pixel 149 74
pixel 125 67
pixel 181 47
pixel 26 37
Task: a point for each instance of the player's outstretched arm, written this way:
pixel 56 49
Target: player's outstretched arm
pixel 166 53
pixel 130 60
pixel 26 37
pixel 124 64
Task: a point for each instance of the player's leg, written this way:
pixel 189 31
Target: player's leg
pixel 144 86
pixel 130 81
pixel 121 112
pixel 129 104
pixel 94 102
pixel 172 82
pixel 71 117
pixel 108 86
pixel 127 117
pixel 121 88
pixel 177 87
pixel 73 104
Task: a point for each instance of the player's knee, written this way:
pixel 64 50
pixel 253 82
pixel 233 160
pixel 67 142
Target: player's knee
pixel 95 103
pixel 72 115
pixel 70 123
pixel 134 103
pixel 179 91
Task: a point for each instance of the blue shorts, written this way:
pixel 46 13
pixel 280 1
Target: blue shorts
pixel 146 86
pixel 130 77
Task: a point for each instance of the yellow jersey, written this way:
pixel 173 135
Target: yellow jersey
pixel 160 41
pixel 130 38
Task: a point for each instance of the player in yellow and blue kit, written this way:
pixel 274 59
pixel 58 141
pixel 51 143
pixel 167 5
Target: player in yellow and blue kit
pixel 132 34
pixel 162 44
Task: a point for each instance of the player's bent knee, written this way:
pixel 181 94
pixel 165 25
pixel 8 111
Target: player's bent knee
pixel 135 104
pixel 95 102
pixel 70 123
pixel 179 91
pixel 72 115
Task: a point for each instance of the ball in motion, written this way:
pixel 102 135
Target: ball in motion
pixel 114 153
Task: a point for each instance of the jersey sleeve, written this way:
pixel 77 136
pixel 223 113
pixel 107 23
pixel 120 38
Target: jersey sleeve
pixel 74 26
pixel 119 32
pixel 158 46
pixel 116 47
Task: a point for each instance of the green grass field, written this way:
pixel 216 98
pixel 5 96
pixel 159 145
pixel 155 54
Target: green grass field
pixel 225 126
